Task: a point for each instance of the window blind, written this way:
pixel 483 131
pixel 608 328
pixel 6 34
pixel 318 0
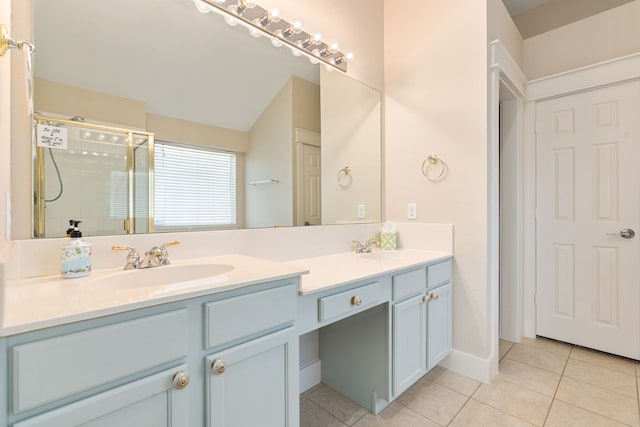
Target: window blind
pixel 195 187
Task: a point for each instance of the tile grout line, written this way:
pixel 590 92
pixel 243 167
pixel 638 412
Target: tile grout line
pixel 325 410
pixel 558 386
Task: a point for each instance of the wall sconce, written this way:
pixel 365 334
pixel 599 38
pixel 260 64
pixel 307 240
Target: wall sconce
pixel 261 21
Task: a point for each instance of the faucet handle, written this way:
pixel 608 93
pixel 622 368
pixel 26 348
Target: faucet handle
pixel 133 258
pixel 164 254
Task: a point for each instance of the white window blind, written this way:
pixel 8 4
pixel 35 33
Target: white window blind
pixel 195 187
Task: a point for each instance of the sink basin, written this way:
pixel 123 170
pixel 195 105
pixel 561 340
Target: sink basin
pixel 159 276
pixel 383 255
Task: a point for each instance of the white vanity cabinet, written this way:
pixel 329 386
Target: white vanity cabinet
pixel 439 313
pixel 252 380
pixel 84 374
pixel 421 322
pixel 225 359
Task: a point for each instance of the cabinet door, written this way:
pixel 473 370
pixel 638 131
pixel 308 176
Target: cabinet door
pixel 255 383
pixel 439 311
pixel 409 343
pixel 148 402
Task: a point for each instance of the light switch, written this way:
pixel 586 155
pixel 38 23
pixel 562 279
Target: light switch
pixel 412 212
pixel 361 211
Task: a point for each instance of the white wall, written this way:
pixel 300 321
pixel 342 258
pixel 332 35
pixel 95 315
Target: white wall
pixel 500 26
pixel 601 37
pixel 436 102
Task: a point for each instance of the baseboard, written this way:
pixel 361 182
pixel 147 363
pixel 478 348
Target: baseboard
pixel 471 366
pixel 310 375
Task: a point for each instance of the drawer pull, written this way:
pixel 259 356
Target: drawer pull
pixel 426 298
pixel 180 380
pixel 356 301
pixel 218 366
pixel 434 295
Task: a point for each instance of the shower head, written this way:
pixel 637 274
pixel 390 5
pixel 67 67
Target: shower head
pixel 77 119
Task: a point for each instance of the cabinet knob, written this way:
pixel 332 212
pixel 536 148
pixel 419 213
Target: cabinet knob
pixel 180 380
pixel 218 366
pixel 434 295
pixel 426 298
pixel 356 301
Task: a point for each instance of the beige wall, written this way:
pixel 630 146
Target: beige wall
pixel 436 102
pixel 605 36
pixel 5 129
pixel 356 24
pixel 353 140
pixel 270 156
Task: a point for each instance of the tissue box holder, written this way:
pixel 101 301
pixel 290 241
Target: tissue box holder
pixel 387 241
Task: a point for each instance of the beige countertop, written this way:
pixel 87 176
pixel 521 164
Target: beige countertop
pixel 42 302
pixel 330 271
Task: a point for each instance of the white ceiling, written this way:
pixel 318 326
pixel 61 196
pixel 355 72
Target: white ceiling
pixel 180 62
pixel 516 7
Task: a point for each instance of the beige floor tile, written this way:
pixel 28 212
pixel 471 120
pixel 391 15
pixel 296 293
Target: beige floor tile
pixel 602 377
pixel 520 402
pixel 395 415
pixel 311 415
pixel 538 358
pixel 565 415
pixel 337 405
pixel 431 400
pixel 503 347
pixel 602 359
pixel 456 382
pixel 477 414
pixel 595 399
pixel 312 389
pixel 533 378
pixel 556 347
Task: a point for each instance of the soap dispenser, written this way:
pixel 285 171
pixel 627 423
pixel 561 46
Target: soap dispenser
pixel 75 255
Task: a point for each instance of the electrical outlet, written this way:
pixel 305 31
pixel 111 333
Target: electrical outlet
pixel 412 211
pixel 361 211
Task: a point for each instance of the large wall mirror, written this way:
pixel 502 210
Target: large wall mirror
pixel 245 134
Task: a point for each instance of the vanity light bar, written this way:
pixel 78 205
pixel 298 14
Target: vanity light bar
pixel 270 24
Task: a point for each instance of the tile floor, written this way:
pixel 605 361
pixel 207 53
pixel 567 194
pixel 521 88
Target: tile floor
pixel 541 383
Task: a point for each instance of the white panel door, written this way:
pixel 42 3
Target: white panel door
pixel 311 180
pixel 588 170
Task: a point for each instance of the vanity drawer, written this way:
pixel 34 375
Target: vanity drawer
pixel 409 283
pixel 245 316
pixel 438 274
pixel 349 301
pixel 51 369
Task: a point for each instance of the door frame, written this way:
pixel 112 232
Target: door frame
pixel 504 70
pixel 607 73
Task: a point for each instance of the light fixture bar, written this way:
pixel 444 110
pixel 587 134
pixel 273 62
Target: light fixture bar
pixel 269 23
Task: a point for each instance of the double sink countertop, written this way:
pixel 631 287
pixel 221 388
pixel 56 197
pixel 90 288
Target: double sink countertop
pixel 41 302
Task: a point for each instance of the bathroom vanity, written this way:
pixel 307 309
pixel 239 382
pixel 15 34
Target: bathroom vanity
pixel 196 354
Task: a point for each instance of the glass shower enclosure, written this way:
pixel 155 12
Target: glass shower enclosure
pixel 101 175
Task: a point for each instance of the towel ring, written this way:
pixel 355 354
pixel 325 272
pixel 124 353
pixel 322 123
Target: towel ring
pixel 431 170
pixel 345 179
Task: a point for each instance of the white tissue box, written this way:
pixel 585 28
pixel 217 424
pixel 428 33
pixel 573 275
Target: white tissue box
pixel 388 240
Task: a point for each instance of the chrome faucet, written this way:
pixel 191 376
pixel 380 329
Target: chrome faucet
pixel 154 257
pixel 364 248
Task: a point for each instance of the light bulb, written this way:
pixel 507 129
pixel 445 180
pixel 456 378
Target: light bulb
pixel 101 137
pixel 296 52
pixel 255 33
pixel 294 28
pixel 275 42
pixel 333 46
pixel 317 38
pixel 349 56
pixel 313 60
pixel 231 21
pixel 202 7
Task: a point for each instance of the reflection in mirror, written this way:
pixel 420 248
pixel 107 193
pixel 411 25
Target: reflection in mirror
pixel 284 127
